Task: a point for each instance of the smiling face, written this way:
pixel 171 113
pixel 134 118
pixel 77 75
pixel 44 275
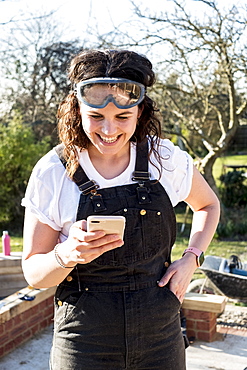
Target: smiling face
pixel 109 129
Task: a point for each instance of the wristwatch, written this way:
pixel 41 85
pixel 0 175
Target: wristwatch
pixel 198 253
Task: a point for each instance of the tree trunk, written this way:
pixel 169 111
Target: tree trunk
pixel 206 169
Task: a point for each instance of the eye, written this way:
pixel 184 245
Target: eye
pixel 96 116
pixel 123 117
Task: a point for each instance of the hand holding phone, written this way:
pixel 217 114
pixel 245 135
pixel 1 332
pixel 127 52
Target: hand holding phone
pixel 109 224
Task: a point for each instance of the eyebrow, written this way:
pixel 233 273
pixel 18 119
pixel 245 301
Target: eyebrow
pixel 128 112
pixel 119 114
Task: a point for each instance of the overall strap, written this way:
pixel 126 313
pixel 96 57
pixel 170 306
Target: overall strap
pixel 141 167
pixel 80 178
pixel 141 173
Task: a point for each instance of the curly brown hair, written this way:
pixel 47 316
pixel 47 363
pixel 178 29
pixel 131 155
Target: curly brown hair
pixel 106 63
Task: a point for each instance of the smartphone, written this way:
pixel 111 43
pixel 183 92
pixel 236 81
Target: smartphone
pixel 109 224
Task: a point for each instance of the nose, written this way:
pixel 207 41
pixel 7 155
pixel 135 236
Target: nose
pixel 109 127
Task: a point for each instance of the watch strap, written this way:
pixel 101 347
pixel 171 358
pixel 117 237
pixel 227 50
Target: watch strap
pixel 193 250
pixel 197 252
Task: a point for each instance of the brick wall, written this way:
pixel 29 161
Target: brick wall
pixel 201 312
pixel 20 319
pixel 201 325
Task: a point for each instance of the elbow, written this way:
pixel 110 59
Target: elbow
pixel 213 208
pixel 32 276
pixel 213 211
pixel 29 273
pixel 216 206
pixel 32 280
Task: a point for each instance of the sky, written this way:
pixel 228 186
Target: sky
pixel 78 18
pixel 77 15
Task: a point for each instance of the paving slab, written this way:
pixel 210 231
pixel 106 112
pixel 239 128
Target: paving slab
pixel 228 353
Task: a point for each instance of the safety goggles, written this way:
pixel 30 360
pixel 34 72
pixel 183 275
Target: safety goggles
pixel 98 92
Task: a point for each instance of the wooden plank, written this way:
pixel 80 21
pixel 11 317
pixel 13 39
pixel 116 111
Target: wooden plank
pixel 204 302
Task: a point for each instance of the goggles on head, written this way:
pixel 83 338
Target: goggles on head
pixel 98 92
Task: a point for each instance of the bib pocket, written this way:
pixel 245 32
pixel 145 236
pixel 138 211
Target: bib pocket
pixel 143 237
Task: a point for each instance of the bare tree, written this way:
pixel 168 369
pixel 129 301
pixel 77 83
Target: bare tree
pixel 202 73
pixel 34 63
pixel 24 17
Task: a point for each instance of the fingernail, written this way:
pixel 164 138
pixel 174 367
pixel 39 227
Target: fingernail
pixel 161 283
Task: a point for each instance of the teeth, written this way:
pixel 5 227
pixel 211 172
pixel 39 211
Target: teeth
pixel 109 139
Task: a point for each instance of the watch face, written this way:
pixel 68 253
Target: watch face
pixel 201 259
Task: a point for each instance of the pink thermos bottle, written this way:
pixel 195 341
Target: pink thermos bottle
pixel 6 243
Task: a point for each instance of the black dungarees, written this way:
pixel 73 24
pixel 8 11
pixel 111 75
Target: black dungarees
pixel 110 314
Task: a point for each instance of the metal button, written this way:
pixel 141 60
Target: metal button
pixel 158 213
pixel 125 210
pixel 60 303
pixel 86 289
pixel 166 264
pixel 69 278
pixel 143 212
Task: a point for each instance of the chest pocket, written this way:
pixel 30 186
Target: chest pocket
pixel 142 238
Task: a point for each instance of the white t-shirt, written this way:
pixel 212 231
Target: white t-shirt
pixel 53 197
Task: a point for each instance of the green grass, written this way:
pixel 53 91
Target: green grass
pixel 219 168
pixel 216 248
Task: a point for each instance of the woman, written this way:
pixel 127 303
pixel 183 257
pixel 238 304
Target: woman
pixel 117 302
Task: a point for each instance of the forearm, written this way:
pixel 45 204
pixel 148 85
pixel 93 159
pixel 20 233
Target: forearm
pixel 206 209
pixel 43 270
pixel 204 225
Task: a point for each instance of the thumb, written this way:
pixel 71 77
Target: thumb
pixel 166 278
pixel 81 224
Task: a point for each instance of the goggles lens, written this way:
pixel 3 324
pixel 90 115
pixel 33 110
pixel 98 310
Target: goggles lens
pixel 98 92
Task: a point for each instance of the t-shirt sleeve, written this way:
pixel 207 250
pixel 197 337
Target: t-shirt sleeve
pixel 39 200
pixel 177 171
pixel 39 197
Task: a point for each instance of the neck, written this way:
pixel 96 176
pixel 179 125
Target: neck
pixel 109 166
